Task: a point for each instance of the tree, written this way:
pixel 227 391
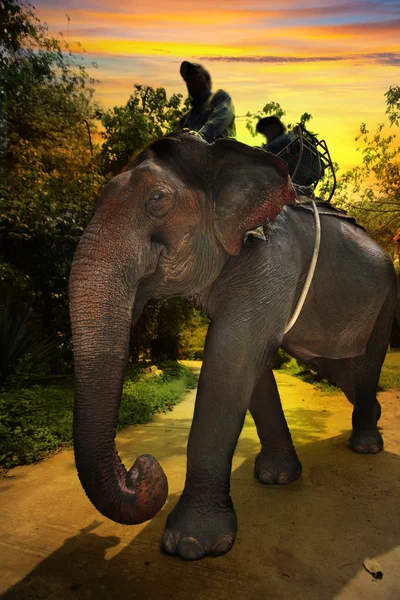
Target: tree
pixel 160 332
pixel 47 101
pixel 50 178
pixel 371 191
pixel 147 115
pixel 393 104
pixel 52 174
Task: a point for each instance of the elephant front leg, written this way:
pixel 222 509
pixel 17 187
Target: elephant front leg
pixel 277 462
pixel 204 521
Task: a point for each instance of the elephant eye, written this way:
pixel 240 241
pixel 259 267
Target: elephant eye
pixel 159 204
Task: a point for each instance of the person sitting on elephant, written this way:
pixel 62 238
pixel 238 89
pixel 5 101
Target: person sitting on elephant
pixel 275 132
pixel 278 139
pixel 211 115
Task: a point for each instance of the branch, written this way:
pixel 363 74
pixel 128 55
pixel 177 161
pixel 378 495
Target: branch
pixel 144 99
pixel 375 210
pixel 360 189
pixel 386 224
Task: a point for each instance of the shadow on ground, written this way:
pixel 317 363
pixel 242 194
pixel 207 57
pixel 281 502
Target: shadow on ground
pixel 305 540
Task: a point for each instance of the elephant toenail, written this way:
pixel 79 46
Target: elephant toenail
pixel 361 449
pixel 169 543
pixel 266 477
pixel 222 545
pixel 374 449
pixel 283 478
pixel 190 549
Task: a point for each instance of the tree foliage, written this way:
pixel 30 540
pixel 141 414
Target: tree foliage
pixel 371 191
pixel 158 333
pixel 24 356
pixel 47 102
pixel 393 104
pixel 147 115
pixel 49 177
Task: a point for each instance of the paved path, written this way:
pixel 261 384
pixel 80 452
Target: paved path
pixel 305 541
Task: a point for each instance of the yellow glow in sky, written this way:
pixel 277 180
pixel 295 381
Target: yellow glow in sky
pixel 333 60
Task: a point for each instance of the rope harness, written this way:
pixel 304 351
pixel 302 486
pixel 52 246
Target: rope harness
pixel 311 269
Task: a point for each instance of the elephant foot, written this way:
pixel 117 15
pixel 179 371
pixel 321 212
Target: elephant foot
pixel 277 467
pixel 366 442
pixel 199 527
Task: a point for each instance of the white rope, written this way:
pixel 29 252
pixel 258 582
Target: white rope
pixel 311 270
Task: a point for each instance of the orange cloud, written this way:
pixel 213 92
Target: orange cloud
pixel 227 11
pixel 334 60
pixel 269 23
pixel 245 32
pixel 383 28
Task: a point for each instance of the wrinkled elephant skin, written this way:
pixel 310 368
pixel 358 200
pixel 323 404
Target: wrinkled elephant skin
pixel 174 224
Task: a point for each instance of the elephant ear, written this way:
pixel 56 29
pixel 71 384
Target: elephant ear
pixel 250 187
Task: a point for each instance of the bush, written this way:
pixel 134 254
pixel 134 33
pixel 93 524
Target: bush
pixel 195 354
pixel 25 354
pixel 143 398
pixel 389 378
pixel 193 336
pixel 280 358
pixel 390 374
pixel 36 421
pixel 157 333
pixel 33 422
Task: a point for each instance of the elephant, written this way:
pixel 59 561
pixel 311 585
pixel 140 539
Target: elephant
pixel 176 223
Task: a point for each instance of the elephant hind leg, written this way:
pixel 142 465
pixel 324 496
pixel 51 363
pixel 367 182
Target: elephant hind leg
pixel 277 463
pixel 358 378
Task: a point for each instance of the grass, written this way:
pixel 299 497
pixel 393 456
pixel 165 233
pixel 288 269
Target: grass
pixel 37 421
pixel 390 374
pixel 142 398
pixel 389 379
pixel 305 374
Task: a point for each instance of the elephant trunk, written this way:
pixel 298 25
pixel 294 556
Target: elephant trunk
pixel 101 301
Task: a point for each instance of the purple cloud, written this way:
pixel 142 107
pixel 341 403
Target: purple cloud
pixel 387 58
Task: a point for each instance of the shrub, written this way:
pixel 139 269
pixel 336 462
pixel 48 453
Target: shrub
pixel 36 421
pixel 195 354
pixel 25 355
pixel 280 358
pixel 33 422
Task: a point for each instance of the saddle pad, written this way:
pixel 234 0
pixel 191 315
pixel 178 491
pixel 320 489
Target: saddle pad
pixel 324 208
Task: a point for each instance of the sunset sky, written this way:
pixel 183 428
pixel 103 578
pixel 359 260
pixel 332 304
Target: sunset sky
pixel 332 59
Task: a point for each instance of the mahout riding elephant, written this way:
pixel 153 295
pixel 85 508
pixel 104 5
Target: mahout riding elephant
pixel 174 224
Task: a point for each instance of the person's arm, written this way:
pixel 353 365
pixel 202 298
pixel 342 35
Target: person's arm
pixel 221 117
pixel 182 123
pixel 278 144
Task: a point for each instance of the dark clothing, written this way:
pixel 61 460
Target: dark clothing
pixel 278 143
pixel 211 115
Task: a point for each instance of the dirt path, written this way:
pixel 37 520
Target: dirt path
pixel 305 541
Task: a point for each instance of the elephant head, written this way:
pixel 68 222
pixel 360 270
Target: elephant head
pixel 164 227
